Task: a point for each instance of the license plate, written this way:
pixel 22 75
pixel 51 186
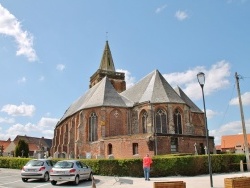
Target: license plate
pixel 61 172
pixel 31 170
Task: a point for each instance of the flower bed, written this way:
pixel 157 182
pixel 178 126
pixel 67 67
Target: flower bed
pixel 170 184
pixel 237 182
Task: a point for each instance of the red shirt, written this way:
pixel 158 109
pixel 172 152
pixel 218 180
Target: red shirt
pixel 147 161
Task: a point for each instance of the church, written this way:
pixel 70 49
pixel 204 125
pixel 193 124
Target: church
pixel 112 121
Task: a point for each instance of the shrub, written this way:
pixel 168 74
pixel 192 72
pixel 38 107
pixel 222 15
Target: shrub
pixel 167 165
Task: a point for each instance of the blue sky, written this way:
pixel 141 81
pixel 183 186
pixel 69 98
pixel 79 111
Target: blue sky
pixel 49 50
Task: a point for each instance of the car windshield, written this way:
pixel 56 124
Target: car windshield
pixel 64 164
pixel 35 163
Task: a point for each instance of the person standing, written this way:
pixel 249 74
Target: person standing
pixel 147 161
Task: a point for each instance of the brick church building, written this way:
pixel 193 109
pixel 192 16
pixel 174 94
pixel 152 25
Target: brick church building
pixel 110 121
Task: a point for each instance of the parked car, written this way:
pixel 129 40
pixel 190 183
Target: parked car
pixel 70 170
pixel 37 169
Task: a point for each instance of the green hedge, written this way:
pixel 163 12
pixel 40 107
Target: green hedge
pixel 170 165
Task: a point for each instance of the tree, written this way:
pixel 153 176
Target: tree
pixel 1 150
pixel 22 149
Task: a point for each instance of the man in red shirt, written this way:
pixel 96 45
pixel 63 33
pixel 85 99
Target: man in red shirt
pixel 147 161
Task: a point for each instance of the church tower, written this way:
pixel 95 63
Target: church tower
pixel 107 68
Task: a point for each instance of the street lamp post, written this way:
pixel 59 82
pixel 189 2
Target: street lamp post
pixel 201 80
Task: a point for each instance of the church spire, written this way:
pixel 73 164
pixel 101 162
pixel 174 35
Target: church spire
pixel 107 68
pixel 107 60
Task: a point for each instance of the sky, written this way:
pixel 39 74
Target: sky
pixel 49 50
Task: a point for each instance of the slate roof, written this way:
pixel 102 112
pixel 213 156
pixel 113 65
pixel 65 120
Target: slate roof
pixel 34 140
pixel 153 88
pixel 101 94
pixel 188 101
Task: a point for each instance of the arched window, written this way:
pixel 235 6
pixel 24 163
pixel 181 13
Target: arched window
pixel 177 122
pixel 110 149
pixel 92 127
pixel 144 118
pixel 116 126
pixel 161 121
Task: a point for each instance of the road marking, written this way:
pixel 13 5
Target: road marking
pixel 42 185
pixel 9 182
pixel 8 176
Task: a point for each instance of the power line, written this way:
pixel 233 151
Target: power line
pixel 228 104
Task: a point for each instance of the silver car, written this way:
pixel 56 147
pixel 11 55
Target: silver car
pixel 70 170
pixel 37 169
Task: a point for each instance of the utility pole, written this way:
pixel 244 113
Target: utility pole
pixel 243 123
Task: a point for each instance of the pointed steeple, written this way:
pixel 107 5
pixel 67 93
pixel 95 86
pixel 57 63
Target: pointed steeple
pixel 107 60
pixel 107 68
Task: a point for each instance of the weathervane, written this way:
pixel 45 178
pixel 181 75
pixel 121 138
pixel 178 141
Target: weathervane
pixel 107 35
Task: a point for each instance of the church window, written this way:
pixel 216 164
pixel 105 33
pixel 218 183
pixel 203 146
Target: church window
pixel 116 126
pixel 177 122
pixel 174 145
pixel 144 121
pixel 161 121
pixel 92 127
pixel 135 148
pixel 110 149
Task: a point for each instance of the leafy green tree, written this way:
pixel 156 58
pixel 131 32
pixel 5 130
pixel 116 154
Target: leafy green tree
pixel 22 149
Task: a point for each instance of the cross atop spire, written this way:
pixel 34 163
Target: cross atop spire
pixel 107 60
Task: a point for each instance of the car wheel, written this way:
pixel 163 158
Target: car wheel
pixel 25 179
pixel 46 177
pixel 90 177
pixel 53 182
pixel 76 182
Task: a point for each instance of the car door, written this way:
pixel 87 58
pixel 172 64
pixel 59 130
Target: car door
pixel 85 171
pixel 80 170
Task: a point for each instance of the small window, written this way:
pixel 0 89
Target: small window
pixel 110 149
pixel 135 148
pixel 174 145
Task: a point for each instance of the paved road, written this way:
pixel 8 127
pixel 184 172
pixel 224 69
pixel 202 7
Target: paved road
pixel 10 178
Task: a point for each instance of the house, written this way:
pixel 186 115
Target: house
pixel 234 143
pixel 38 147
pixel 112 121
pixel 4 151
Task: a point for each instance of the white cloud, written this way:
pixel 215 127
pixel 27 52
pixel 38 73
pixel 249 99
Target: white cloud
pixel 10 26
pixel 7 120
pixel 210 113
pixel 181 15
pixel 21 110
pixel 160 9
pixel 47 122
pixel 245 98
pixel 130 80
pixel 18 129
pixel 231 128
pixel 215 78
pixel 45 127
pixel 22 80
pixel 60 67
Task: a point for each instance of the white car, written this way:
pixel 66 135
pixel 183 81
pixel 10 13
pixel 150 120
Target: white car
pixel 37 169
pixel 70 170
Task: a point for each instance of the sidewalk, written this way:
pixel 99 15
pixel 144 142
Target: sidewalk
pixel 202 181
